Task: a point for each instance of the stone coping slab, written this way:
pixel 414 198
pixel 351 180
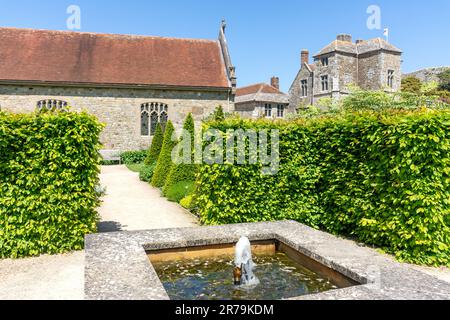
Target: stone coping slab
pixel 117 266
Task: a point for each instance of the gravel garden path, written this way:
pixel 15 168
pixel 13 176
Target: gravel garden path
pixel 129 204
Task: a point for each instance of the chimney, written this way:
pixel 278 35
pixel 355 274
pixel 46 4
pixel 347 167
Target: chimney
pixel 275 82
pixel 304 57
pixel 359 41
pixel 344 37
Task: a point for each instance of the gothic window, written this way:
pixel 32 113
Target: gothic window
pixel 390 79
pixel 324 81
pixel 52 105
pixel 152 114
pixel 304 85
pixel 144 120
pixel 280 111
pixel 268 110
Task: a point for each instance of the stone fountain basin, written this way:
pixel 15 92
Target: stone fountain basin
pixel 118 266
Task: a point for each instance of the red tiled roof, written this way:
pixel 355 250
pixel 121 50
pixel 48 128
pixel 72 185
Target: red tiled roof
pixel 256 88
pixel 89 58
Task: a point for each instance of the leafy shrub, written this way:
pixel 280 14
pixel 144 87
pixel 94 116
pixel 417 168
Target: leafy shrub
pixel 382 178
pixel 183 171
pixel 108 162
pixel 164 163
pixel 133 157
pixel 146 172
pixel 187 202
pixel 411 85
pixel 180 190
pixel 444 80
pixel 49 166
pixel 155 149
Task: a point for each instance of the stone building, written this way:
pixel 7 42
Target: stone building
pixel 370 64
pixel 262 100
pixel 130 83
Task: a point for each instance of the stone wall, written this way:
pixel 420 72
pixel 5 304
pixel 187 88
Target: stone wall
pixel 296 100
pixel 118 108
pixel 369 74
pixel 390 61
pixel 347 72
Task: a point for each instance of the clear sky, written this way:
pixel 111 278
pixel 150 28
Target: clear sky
pixel 265 37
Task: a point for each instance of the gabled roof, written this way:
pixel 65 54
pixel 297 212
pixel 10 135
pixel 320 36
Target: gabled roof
pixel 362 47
pixel 260 92
pixel 88 58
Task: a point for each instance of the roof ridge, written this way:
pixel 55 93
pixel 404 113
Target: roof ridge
pixel 110 35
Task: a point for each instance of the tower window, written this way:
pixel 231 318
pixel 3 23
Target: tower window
pixel 324 81
pixel 390 78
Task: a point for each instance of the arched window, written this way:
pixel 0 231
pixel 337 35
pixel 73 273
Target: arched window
pixel 52 105
pixel 152 114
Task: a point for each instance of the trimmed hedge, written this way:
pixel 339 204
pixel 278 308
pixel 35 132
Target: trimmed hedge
pixel 180 190
pixel 382 178
pixel 183 172
pixel 133 157
pixel 155 149
pixel 165 158
pixel 49 166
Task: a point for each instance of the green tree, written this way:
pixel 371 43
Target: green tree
pixel 164 163
pixel 184 171
pixel 411 85
pixel 155 149
pixel 444 80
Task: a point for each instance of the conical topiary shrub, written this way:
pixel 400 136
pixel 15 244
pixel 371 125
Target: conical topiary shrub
pixel 165 157
pixel 219 115
pixel 155 149
pixel 183 171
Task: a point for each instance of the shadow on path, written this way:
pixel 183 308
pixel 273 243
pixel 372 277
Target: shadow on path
pixel 109 226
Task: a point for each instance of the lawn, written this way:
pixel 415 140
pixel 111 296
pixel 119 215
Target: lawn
pixel 135 167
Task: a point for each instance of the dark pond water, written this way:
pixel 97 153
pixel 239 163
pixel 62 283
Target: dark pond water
pixel 212 279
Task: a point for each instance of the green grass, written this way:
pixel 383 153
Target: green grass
pixel 135 167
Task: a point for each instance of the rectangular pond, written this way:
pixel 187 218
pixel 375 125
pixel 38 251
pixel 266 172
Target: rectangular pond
pixel 206 273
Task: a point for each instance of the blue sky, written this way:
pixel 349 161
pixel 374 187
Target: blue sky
pixel 265 37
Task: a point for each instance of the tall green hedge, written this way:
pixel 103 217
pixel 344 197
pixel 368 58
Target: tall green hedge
pixel 382 178
pixel 49 166
pixel 183 171
pixel 155 149
pixel 164 163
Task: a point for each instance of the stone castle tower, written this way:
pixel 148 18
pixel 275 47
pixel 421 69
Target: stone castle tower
pixel 370 64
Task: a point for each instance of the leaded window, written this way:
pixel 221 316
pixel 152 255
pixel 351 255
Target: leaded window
pixel 304 84
pixel 390 79
pixel 280 111
pixel 153 113
pixel 324 81
pixel 52 105
pixel 268 110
